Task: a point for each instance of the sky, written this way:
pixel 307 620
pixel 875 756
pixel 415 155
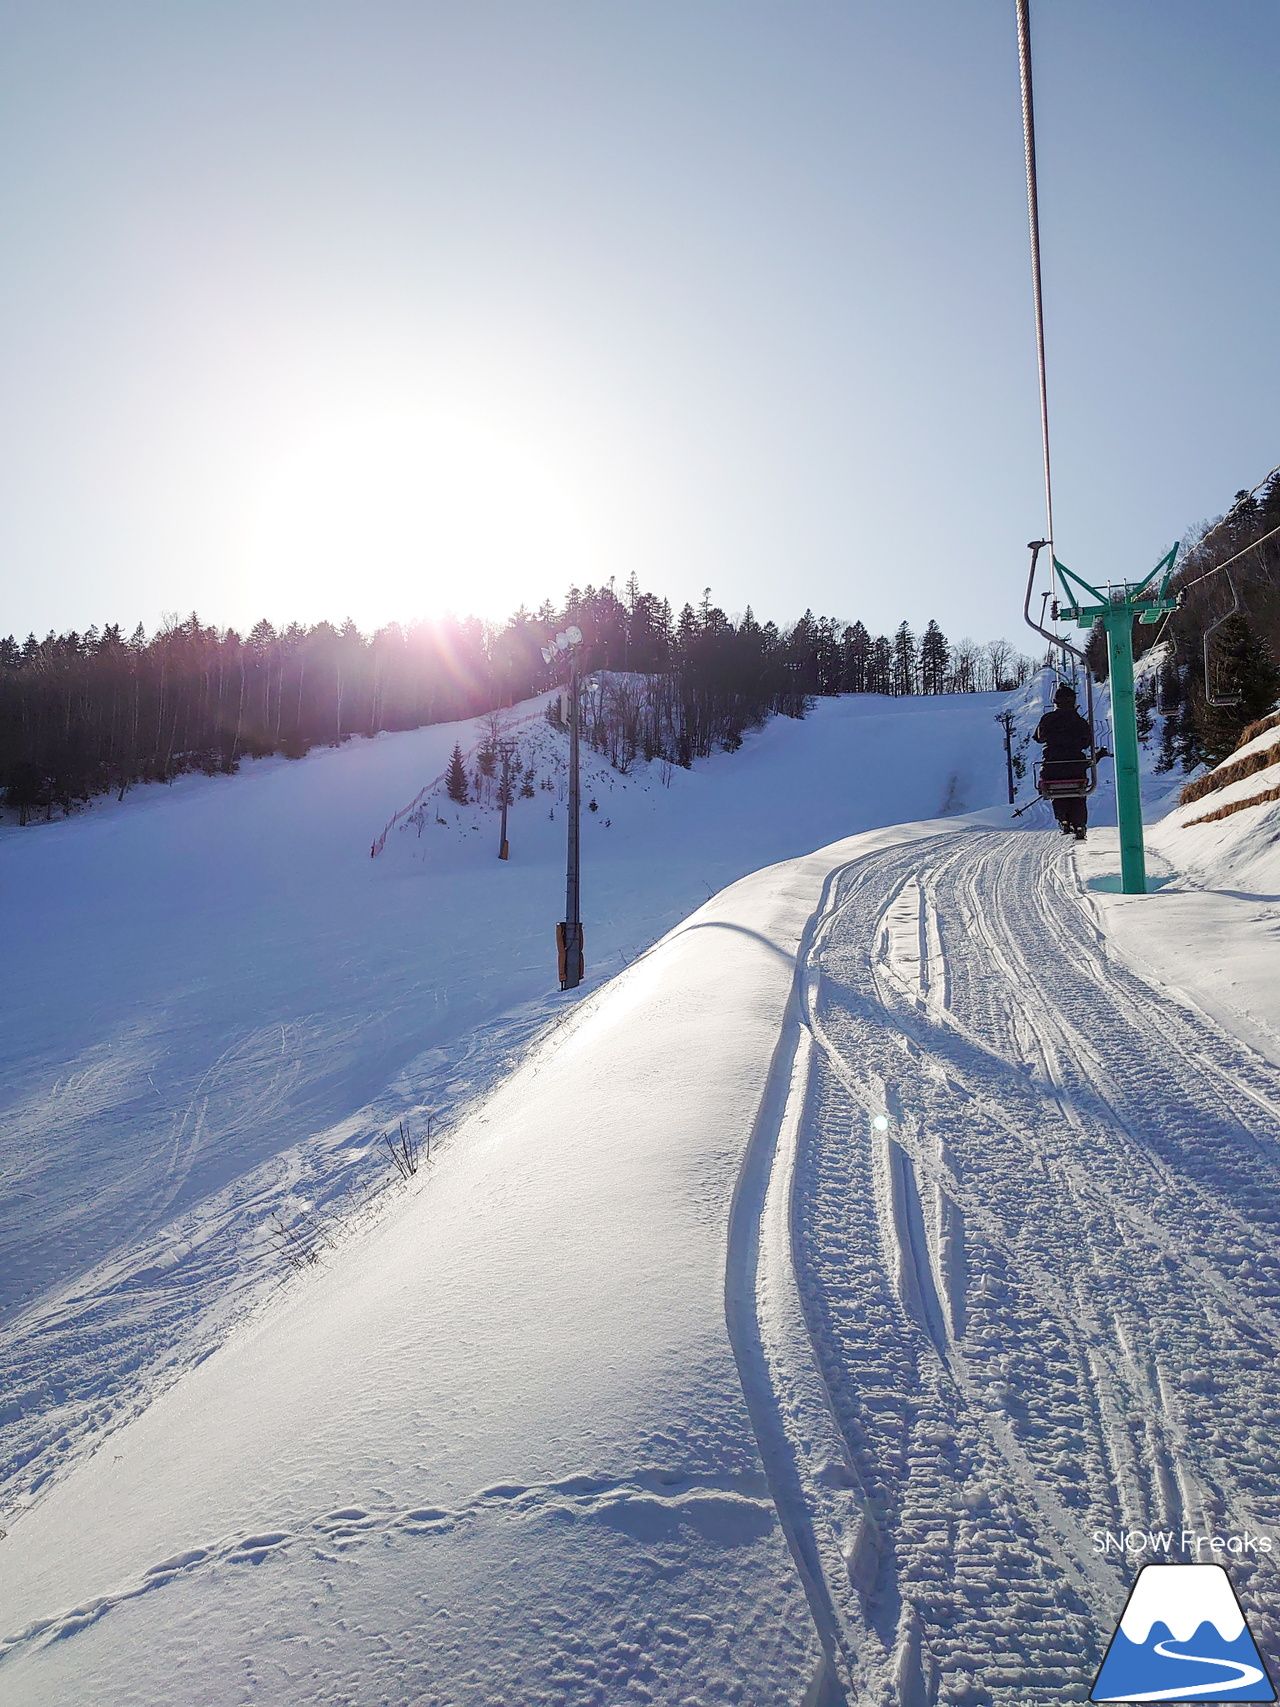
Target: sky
pixel 314 309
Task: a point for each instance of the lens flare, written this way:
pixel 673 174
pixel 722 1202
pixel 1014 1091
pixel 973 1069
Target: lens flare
pixel 401 515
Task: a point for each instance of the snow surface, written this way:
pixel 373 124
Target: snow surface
pixel 1264 743
pixel 779 1320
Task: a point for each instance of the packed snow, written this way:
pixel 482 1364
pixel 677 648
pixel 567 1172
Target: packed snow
pixel 779 1318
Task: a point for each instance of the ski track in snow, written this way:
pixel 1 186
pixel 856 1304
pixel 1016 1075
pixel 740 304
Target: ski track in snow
pixel 1040 1298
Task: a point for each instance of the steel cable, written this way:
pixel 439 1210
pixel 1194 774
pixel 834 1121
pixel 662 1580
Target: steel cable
pixel 1244 552
pixel 1033 215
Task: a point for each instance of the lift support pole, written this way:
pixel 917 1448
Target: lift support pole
pixel 571 967
pixel 1116 608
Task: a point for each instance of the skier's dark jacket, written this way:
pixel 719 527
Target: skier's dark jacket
pixel 1063 733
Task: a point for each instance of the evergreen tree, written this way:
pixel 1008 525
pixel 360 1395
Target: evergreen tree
pixel 935 658
pixel 1244 526
pixel 506 791
pixel 1096 656
pixel 25 788
pixel 857 651
pixel 828 656
pixel 1188 746
pixel 880 665
pixel 455 778
pixel 1169 701
pixel 1168 749
pixel 904 660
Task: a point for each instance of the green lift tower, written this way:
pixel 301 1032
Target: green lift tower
pixel 1117 606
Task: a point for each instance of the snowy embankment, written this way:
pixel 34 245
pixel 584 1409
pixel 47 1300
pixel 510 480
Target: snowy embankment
pixel 1211 926
pixel 228 1003
pixel 500 1443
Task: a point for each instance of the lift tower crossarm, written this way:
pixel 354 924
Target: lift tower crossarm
pixel 1119 595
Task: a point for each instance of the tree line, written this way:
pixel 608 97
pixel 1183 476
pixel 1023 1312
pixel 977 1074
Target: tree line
pixel 84 714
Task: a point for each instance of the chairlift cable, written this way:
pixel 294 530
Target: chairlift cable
pixel 1033 217
pixel 1064 646
pixel 1223 520
pixel 1037 290
pixel 1244 552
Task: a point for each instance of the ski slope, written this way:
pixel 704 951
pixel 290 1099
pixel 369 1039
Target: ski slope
pixel 779 1321
pixel 225 1003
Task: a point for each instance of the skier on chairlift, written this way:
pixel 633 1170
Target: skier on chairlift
pixel 1066 738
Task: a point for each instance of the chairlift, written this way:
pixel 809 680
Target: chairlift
pixel 1063 779
pixel 1210 696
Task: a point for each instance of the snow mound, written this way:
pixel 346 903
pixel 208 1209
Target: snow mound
pixel 1240 850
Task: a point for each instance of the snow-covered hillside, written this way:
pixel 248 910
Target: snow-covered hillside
pixel 780 1318
pixel 225 1002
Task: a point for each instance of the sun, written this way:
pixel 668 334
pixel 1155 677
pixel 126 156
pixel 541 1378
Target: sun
pixel 395 516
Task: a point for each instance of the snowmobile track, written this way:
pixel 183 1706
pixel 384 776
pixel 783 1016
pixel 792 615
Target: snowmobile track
pixel 1003 1275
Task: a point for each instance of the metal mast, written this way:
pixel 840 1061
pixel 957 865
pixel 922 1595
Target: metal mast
pixel 569 930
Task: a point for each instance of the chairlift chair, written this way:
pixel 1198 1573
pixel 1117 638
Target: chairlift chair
pixel 1210 696
pixel 1064 779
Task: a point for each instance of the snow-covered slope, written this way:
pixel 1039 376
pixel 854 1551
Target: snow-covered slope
pixel 1242 849
pixel 495 1451
pixel 736 1346
pixel 507 1421
pixel 225 1002
pixel 739 1347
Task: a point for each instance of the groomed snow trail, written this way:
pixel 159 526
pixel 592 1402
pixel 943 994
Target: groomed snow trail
pixel 1015 1278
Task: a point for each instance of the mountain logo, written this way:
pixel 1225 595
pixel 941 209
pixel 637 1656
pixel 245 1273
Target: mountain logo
pixel 1182 1637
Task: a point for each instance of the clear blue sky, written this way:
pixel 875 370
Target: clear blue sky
pixel 315 308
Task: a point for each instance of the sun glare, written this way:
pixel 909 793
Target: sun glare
pixel 400 516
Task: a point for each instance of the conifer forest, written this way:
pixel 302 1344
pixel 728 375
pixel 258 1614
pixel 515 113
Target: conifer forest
pixel 85 714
